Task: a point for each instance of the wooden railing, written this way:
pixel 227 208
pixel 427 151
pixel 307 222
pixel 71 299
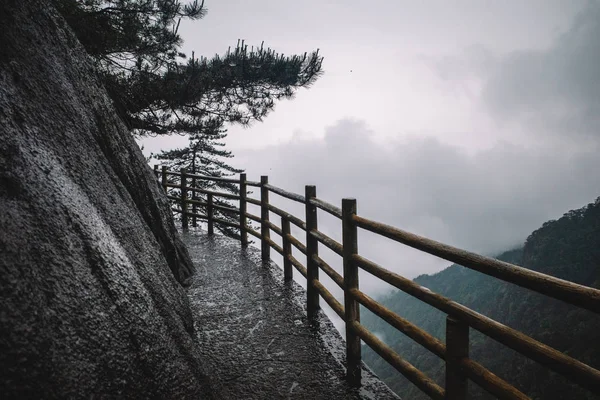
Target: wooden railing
pixel 455 351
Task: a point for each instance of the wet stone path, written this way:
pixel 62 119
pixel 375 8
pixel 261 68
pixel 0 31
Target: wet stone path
pixel 253 331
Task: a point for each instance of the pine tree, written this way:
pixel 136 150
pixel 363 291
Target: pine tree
pixel 157 90
pixel 204 156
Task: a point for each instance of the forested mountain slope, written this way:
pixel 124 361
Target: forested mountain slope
pixel 568 248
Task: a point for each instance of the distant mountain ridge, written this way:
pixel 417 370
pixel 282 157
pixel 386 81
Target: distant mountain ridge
pixel 567 248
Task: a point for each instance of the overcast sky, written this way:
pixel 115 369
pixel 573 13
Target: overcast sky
pixel 470 122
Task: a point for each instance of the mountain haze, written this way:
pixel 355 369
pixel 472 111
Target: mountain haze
pixel 567 248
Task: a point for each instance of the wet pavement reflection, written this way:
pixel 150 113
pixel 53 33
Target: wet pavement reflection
pixel 253 333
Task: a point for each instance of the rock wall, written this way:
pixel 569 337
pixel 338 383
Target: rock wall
pixel 91 303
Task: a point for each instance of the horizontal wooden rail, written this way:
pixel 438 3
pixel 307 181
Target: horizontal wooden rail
pixel 173 197
pixel 172 185
pixel 253 232
pixel 216 206
pixel 191 214
pixel 219 194
pixel 226 223
pixel 325 206
pixel 298 265
pixel 226 209
pixel 206 177
pixel 328 297
pixel 409 329
pixel 297 244
pixel 335 246
pixel 333 274
pixel 491 382
pixel 275 246
pixel 293 219
pixel 574 369
pixel 286 194
pixel 274 228
pixel 253 217
pixel 193 201
pixel 579 295
pixel 417 377
pixel 176 210
pixel 251 200
pixel 253 183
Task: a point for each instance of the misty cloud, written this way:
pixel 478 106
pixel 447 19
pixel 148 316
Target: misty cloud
pixel 485 202
pixel 536 86
pixel 556 90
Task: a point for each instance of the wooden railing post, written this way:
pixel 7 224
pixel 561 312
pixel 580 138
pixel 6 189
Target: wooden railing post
pixel 457 347
pixel 264 217
pixel 351 306
pixel 194 206
pixel 312 249
pixel 209 213
pixel 184 209
pixel 164 178
pixel 243 209
pixel 156 173
pixel 287 249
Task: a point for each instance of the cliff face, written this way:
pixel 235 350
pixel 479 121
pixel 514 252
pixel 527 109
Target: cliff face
pixel 90 302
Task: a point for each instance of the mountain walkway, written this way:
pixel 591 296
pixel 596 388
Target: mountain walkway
pixel 254 323
pixel 254 333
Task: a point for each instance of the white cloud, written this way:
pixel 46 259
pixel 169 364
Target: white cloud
pixel 460 181
pixel 553 92
pixel 485 202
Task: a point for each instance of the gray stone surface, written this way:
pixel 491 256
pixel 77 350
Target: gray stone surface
pixel 90 306
pixel 254 334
